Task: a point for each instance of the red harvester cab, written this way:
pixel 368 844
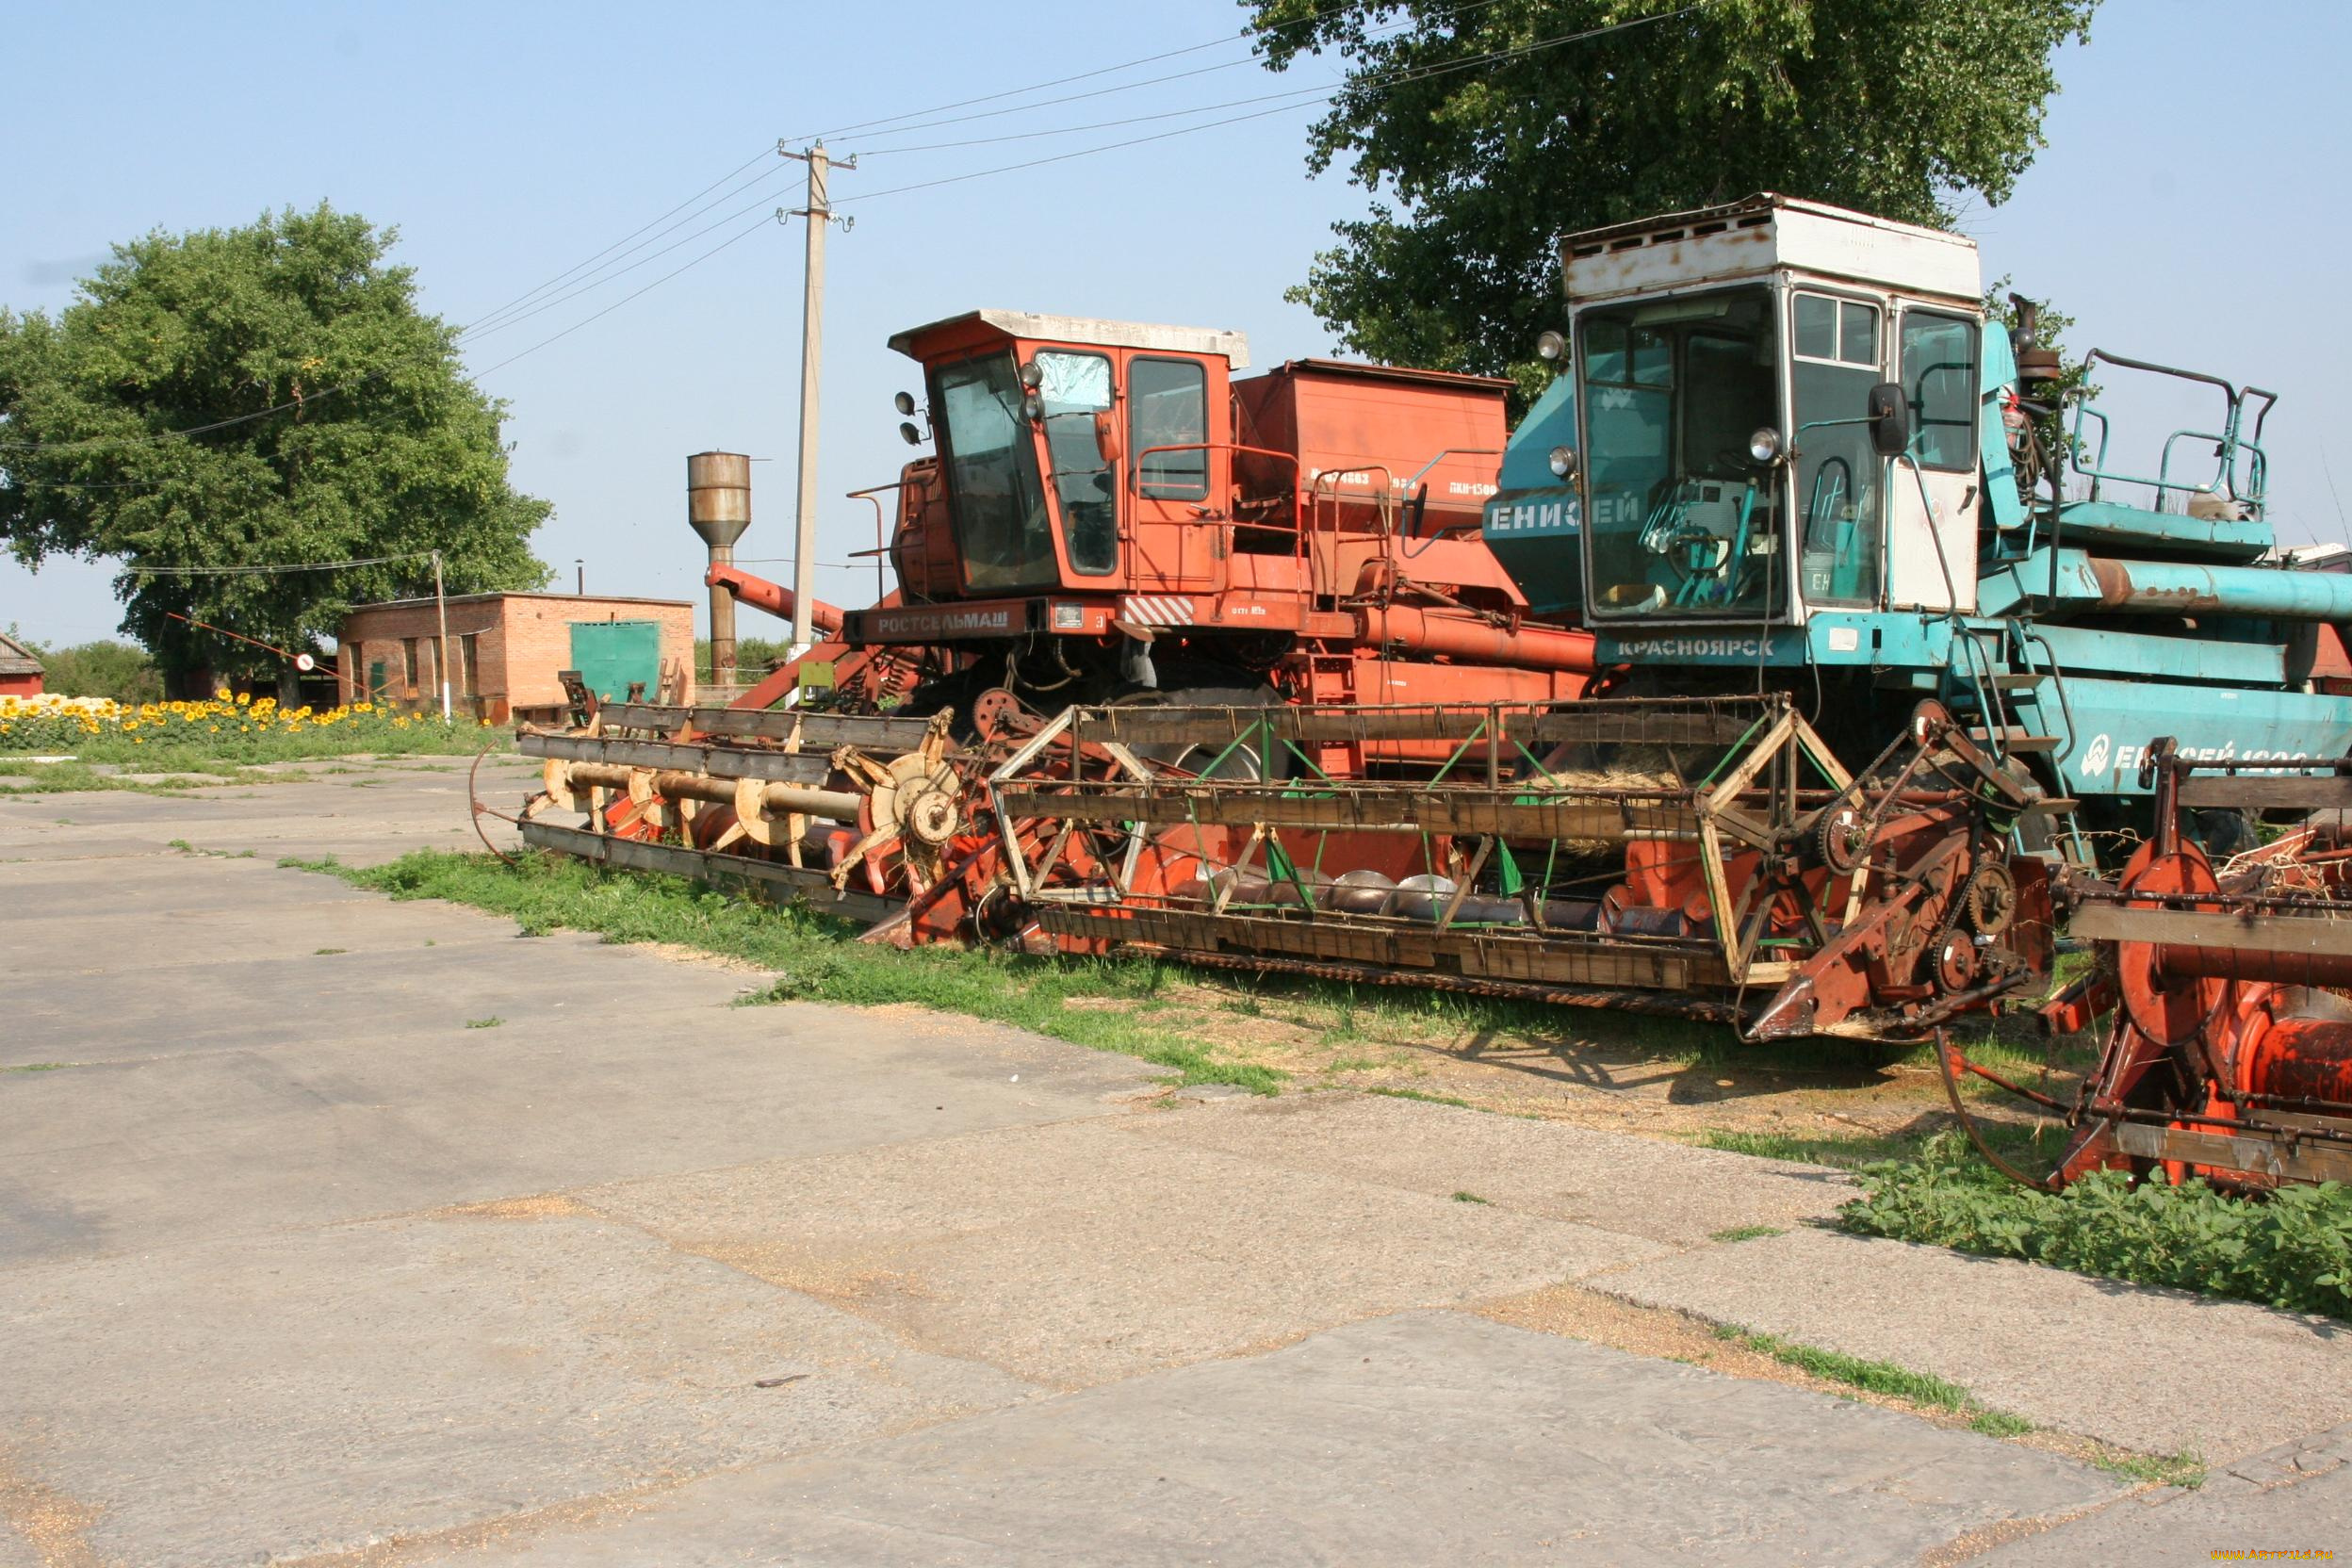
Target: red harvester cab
pixel 1106 487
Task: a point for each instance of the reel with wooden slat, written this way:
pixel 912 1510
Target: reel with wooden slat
pixel 853 813
pixel 1664 855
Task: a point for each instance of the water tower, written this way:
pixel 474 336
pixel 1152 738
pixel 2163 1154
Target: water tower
pixel 718 507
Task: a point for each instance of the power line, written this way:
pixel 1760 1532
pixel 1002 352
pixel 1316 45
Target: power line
pixel 892 120
pixel 627 238
pixel 1305 97
pixel 1250 34
pixel 289 567
pixel 1394 79
pixel 617 304
pixel 1397 78
pixel 20 478
pixel 1097 125
pixel 1064 157
pixel 589 286
pixel 483 326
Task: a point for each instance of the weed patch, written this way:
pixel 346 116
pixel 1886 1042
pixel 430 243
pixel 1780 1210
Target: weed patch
pixel 811 955
pixel 1749 1233
pixel 1881 1377
pixel 2292 1250
pixel 1852 1151
pixel 1426 1099
pixel 2183 1470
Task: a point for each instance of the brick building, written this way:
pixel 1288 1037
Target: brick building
pixel 506 650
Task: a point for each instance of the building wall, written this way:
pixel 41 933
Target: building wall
pixel 20 685
pixel 522 642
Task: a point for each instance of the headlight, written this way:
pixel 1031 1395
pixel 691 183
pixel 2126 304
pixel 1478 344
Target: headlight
pixel 1764 446
pixel 1551 346
pixel 1033 407
pixel 1563 461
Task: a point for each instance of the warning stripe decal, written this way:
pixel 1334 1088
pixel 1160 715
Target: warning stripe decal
pixel 1156 610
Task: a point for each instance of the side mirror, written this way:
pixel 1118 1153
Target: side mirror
pixel 1890 419
pixel 1106 438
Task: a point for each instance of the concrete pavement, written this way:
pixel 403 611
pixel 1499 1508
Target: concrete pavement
pixel 299 1266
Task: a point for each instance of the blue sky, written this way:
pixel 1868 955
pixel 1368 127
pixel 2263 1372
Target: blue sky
pixel 2183 212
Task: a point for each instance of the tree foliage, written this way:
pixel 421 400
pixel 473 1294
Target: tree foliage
pixel 385 449
pixel 1478 164
pixel 105 668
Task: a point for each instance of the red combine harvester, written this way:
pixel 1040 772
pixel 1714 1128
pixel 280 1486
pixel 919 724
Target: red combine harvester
pixel 1112 513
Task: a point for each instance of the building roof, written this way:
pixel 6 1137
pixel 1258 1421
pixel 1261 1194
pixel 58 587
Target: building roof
pixel 1235 346
pixel 16 658
pixel 485 599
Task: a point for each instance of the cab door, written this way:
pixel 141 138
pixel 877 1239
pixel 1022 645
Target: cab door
pixel 1176 538
pixel 1931 491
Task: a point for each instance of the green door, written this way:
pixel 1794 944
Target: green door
pixel 609 655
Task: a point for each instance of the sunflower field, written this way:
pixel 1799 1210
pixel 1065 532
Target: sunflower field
pixel 225 731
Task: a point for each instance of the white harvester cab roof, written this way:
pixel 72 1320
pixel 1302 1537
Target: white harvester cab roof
pixel 1758 235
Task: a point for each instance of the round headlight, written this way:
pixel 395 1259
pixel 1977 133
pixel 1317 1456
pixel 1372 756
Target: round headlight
pixel 1563 461
pixel 1551 346
pixel 1033 407
pixel 1032 375
pixel 1764 446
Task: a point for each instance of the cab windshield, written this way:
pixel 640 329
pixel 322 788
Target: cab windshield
pixel 1683 520
pixel 998 505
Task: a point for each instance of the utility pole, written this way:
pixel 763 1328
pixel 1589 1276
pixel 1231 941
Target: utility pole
pixel 819 215
pixel 441 608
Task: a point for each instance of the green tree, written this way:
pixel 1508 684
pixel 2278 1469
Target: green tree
pixel 344 429
pixel 1487 130
pixel 102 669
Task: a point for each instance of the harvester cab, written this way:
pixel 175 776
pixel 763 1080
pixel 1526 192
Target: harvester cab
pixel 1112 509
pixel 1786 449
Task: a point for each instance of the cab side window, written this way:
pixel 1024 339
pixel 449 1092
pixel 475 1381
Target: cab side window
pixel 1939 380
pixel 1169 407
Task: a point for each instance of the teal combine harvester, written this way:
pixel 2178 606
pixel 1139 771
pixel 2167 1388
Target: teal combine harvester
pixel 1787 451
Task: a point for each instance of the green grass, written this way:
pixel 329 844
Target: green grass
pixel 1472 1198
pixel 1830 1149
pixel 164 745
pixel 2181 1470
pixel 187 848
pixel 53 778
pixel 37 1066
pixel 812 955
pixel 2292 1250
pixel 1425 1098
pixel 490 1022
pixel 2034 1145
pixel 1749 1233
pixel 326 952
pixel 1880 1377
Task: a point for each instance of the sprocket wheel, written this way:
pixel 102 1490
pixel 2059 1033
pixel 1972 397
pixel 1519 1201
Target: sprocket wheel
pixel 1991 898
pixel 1842 838
pixel 1954 962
